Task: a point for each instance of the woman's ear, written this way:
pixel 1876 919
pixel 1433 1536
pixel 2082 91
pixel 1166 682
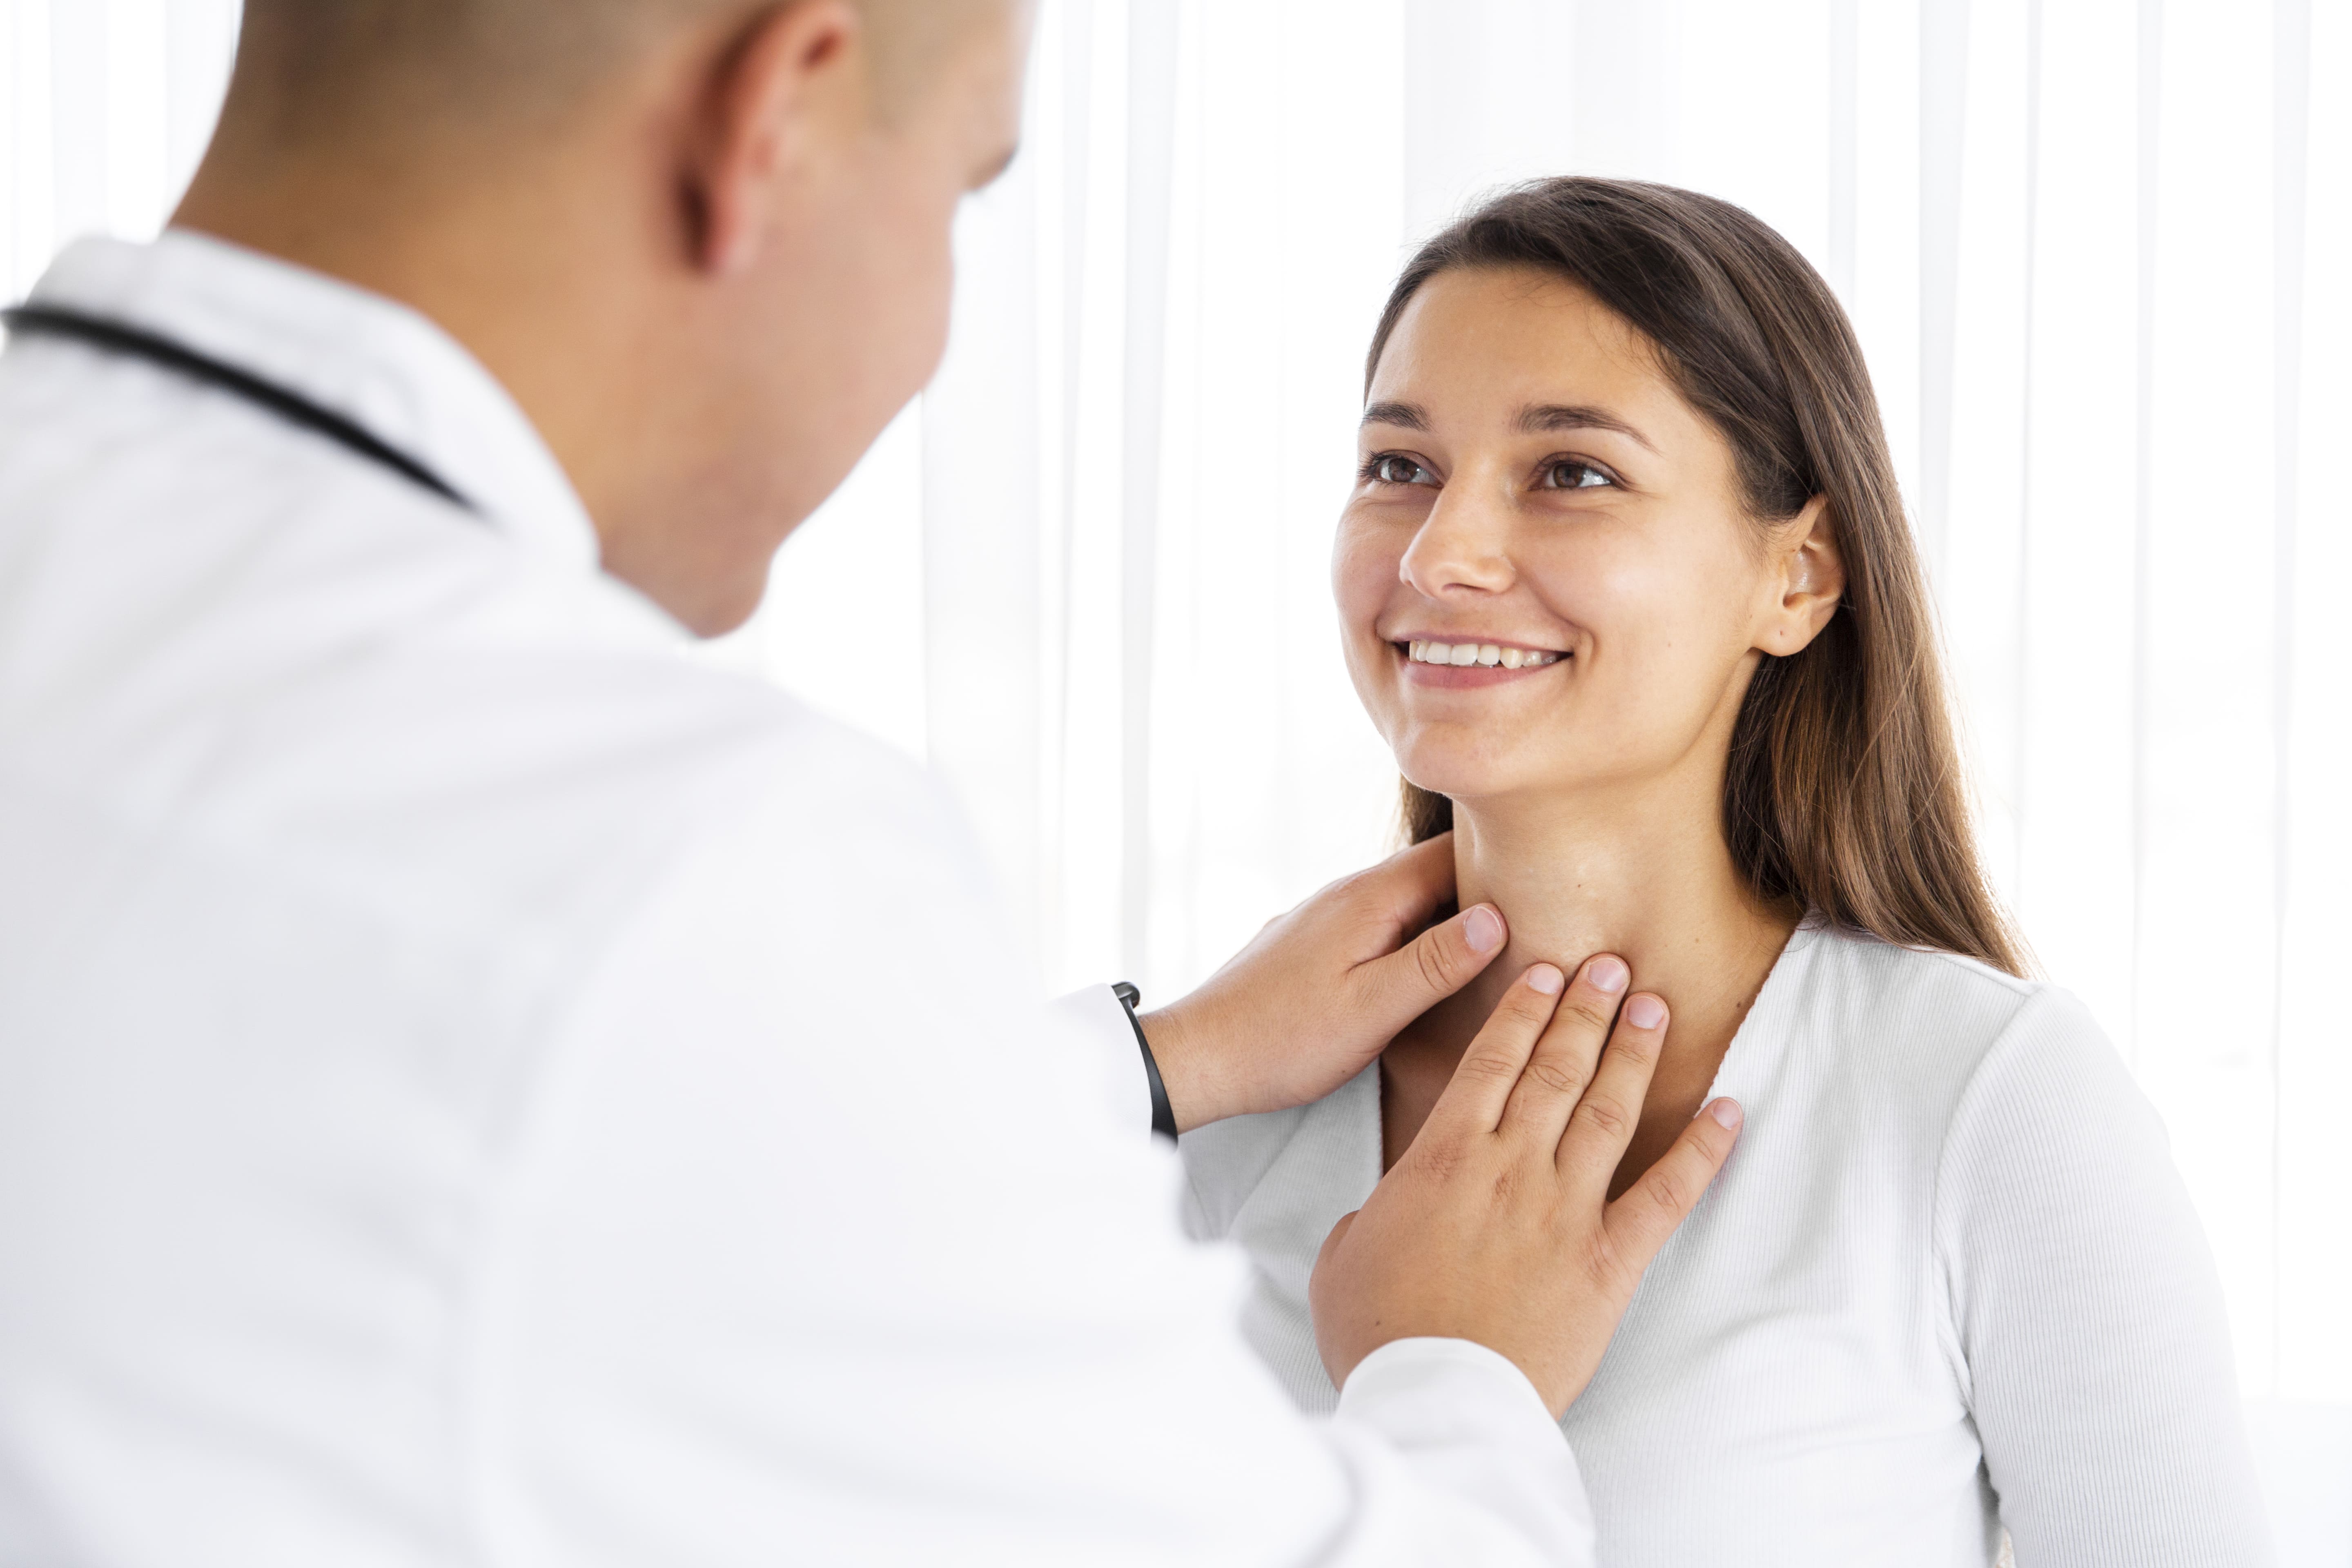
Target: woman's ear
pixel 1810 578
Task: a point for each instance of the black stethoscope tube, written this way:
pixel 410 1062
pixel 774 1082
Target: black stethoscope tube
pixel 114 337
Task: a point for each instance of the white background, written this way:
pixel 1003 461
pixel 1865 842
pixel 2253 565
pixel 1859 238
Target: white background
pixel 2096 250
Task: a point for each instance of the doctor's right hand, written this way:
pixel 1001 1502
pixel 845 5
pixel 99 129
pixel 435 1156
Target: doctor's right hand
pixel 1494 1226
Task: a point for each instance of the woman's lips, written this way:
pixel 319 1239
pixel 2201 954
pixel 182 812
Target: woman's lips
pixel 1449 676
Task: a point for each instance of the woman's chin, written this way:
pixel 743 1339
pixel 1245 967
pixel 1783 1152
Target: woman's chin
pixel 1474 769
pixel 1454 781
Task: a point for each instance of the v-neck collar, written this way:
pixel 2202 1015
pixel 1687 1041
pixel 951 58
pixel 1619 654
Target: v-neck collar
pixel 1330 1161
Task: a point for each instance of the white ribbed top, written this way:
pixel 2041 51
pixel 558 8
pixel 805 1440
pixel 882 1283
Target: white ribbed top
pixel 1949 1281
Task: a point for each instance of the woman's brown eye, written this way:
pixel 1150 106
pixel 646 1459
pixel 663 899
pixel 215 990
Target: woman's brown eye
pixel 1577 476
pixel 1396 470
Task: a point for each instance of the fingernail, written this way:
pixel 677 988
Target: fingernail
pixel 1608 973
pixel 1483 929
pixel 1543 977
pixel 1645 1012
pixel 1726 1112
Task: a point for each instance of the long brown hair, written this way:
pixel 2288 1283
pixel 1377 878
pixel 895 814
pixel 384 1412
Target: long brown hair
pixel 1843 791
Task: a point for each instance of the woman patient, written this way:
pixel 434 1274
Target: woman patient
pixel 1626 584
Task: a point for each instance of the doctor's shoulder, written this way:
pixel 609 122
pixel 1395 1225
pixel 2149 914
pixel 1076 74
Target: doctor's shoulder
pixel 746 769
pixel 545 745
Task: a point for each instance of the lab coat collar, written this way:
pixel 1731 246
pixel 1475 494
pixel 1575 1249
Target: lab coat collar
pixel 380 363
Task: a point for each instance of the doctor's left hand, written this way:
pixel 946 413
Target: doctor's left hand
pixel 1321 990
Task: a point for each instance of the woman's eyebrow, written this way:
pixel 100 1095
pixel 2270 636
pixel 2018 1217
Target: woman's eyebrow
pixel 1534 419
pixel 1538 417
pixel 1408 415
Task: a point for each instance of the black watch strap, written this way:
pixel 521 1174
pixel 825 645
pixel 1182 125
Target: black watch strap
pixel 1163 1115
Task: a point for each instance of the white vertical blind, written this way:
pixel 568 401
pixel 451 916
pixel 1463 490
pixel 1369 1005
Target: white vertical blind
pixel 104 107
pixel 2095 249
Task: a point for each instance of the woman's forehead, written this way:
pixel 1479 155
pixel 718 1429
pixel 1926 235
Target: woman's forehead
pixel 1492 347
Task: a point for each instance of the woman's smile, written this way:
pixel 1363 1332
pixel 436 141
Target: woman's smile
pixel 1468 663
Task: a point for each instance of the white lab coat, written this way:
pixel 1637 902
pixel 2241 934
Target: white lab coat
pixel 476 1086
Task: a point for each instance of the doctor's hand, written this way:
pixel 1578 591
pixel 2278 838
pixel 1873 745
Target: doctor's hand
pixel 1494 1226
pixel 1321 990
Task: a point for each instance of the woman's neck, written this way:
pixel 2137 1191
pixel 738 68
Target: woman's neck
pixel 1648 878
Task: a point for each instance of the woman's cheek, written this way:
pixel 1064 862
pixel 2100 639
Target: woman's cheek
pixel 1363 571
pixel 1665 653
pixel 1363 577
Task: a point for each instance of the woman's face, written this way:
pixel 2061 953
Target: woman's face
pixel 1534 488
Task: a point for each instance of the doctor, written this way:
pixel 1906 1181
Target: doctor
pixel 477 1087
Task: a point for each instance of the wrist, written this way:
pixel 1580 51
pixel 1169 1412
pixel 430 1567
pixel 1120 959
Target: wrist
pixel 1173 1041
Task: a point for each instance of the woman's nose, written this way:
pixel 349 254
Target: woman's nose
pixel 1462 544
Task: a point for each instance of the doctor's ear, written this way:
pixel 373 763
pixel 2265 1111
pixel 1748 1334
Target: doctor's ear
pixel 778 89
pixel 1809 577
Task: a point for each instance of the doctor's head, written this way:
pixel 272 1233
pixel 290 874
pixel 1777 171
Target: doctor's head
pixel 705 243
pixel 1625 538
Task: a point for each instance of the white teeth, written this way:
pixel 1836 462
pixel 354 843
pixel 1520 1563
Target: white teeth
pixel 1469 653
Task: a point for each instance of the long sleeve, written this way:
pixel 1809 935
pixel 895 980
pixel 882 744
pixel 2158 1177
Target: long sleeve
pixel 2091 1328
pixel 822 1247
pixel 1096 1012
